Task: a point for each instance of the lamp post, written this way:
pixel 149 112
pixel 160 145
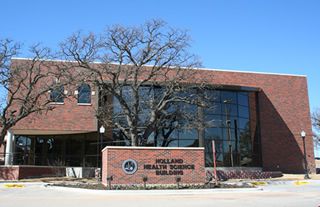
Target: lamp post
pixel 99 148
pixel 303 136
pixel 101 132
pixel 99 143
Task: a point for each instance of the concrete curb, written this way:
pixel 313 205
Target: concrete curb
pixel 23 183
pixel 155 192
pixel 276 182
pixel 290 182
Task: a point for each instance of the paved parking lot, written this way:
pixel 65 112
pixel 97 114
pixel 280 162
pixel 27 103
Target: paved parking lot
pixel 279 194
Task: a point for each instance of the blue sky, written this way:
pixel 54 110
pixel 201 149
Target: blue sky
pixel 281 36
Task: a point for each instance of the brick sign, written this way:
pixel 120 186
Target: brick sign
pixel 161 165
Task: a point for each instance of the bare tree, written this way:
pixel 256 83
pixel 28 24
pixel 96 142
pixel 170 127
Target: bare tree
pixel 144 73
pixel 316 119
pixel 316 126
pixel 26 85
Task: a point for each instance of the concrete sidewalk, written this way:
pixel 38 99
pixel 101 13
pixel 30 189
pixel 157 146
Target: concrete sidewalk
pixel 260 186
pixel 271 194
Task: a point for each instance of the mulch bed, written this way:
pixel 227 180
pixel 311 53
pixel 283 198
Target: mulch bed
pixel 99 186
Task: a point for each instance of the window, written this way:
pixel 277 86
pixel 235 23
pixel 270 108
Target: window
pixel 243 111
pixel 212 95
pixel 213 133
pixel 230 109
pixel 213 121
pixel 225 117
pixel 214 108
pixel 56 94
pixel 243 99
pixel 243 123
pixel 23 152
pixel 229 97
pixel 84 95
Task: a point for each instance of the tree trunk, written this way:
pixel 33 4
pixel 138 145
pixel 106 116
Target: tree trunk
pixel 134 139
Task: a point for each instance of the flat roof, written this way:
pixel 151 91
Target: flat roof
pixel 254 72
pixel 207 69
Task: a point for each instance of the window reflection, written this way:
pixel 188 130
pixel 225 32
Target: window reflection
pixel 84 95
pixel 213 121
pixel 214 109
pixel 23 150
pixel 229 97
pixel 225 119
pixel 243 111
pixel 189 142
pixel 213 133
pixel 212 95
pixel 56 150
pixel 243 99
pixel 57 94
pixel 230 109
pixel 243 123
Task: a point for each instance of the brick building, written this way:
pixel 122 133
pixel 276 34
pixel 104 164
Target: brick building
pixel 265 114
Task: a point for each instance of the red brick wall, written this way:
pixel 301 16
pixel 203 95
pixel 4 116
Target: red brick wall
pixel 66 117
pixel 41 171
pixel 9 172
pixel 284 112
pixel 23 172
pixel 113 157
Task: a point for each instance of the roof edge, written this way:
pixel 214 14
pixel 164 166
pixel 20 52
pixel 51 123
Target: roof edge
pixel 201 68
pixel 253 72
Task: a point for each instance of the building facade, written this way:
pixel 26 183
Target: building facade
pixel 255 121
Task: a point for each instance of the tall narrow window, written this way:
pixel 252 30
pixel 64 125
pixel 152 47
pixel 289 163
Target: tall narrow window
pixel 84 95
pixel 57 95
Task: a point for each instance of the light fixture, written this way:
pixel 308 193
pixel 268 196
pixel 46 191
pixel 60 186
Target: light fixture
pixel 102 130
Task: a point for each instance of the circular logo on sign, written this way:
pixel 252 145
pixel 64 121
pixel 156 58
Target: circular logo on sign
pixel 129 166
